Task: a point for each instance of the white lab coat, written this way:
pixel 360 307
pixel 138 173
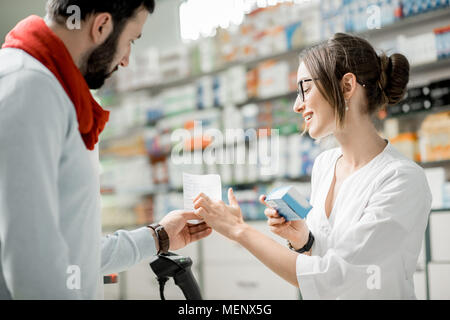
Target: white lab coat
pixel 369 246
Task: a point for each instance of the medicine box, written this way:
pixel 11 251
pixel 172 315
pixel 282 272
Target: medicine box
pixel 289 203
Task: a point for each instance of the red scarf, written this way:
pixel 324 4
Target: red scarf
pixel 33 36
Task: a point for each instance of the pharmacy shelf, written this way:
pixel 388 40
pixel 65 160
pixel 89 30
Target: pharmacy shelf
pixel 398 26
pixel 435 164
pixel 421 113
pixel 439 64
pixel 415 69
pixel 409 22
pixel 435 65
pixel 165 188
pixel 441 210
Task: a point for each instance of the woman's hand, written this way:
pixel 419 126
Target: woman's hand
pixel 296 232
pixel 225 219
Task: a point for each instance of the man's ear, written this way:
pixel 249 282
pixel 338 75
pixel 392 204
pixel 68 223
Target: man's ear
pixel 348 84
pixel 102 26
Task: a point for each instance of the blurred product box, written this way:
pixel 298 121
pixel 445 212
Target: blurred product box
pixel 127 146
pixel 154 109
pixel 227 50
pixel 179 99
pixel 270 41
pixel 147 70
pixel 174 63
pixel 419 49
pixel 446 195
pixel 236 78
pixel 440 93
pixel 415 7
pixel 423 98
pixel 443 42
pixel 205 93
pixel 252 83
pixel 144 211
pixel 407 144
pixel 391 128
pixel 166 202
pixel 332 18
pixel 273 78
pixel 434 138
pixel 294 35
pixel 203 55
pixel 131 175
pixel 417 99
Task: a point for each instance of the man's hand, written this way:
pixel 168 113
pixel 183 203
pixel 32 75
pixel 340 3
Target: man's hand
pixel 180 232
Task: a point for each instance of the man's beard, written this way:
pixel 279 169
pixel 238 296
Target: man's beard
pixel 96 68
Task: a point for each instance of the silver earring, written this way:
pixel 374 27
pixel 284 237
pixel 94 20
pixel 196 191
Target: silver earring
pixel 346 105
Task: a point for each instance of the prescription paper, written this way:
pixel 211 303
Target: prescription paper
pixel 193 185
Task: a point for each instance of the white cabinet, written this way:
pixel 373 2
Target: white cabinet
pixel 440 236
pixel 112 291
pixel 439 267
pixel 420 285
pixel 246 281
pixel 231 272
pixel 439 281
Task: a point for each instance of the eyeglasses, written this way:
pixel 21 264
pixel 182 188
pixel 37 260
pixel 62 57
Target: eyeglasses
pixel 301 91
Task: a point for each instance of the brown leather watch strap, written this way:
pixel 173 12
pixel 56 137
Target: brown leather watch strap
pixel 163 237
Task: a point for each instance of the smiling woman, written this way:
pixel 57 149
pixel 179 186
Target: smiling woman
pixel 370 204
pixel 383 78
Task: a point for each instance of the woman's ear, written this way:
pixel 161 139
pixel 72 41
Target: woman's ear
pixel 348 84
pixel 102 27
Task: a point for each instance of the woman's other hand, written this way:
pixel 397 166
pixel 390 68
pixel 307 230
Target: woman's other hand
pixel 296 232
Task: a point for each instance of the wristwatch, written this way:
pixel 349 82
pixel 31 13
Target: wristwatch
pixel 306 247
pixel 162 236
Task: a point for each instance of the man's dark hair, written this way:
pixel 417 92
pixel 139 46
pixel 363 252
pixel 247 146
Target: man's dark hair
pixel 97 67
pixel 120 10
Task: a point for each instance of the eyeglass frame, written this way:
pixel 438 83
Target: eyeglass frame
pixel 301 93
pixel 300 90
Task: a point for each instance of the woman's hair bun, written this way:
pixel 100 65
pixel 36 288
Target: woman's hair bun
pixel 394 77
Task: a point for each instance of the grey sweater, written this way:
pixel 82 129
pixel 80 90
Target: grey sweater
pixel 50 218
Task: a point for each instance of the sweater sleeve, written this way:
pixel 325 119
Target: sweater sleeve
pixel 34 254
pixel 123 249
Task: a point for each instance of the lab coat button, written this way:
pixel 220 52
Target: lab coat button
pixel 325 229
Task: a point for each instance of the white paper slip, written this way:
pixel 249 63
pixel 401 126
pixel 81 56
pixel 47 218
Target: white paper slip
pixel 193 185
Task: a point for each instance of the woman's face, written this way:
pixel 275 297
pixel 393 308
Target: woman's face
pixel 318 114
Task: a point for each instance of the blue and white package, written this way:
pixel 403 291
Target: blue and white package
pixel 289 203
